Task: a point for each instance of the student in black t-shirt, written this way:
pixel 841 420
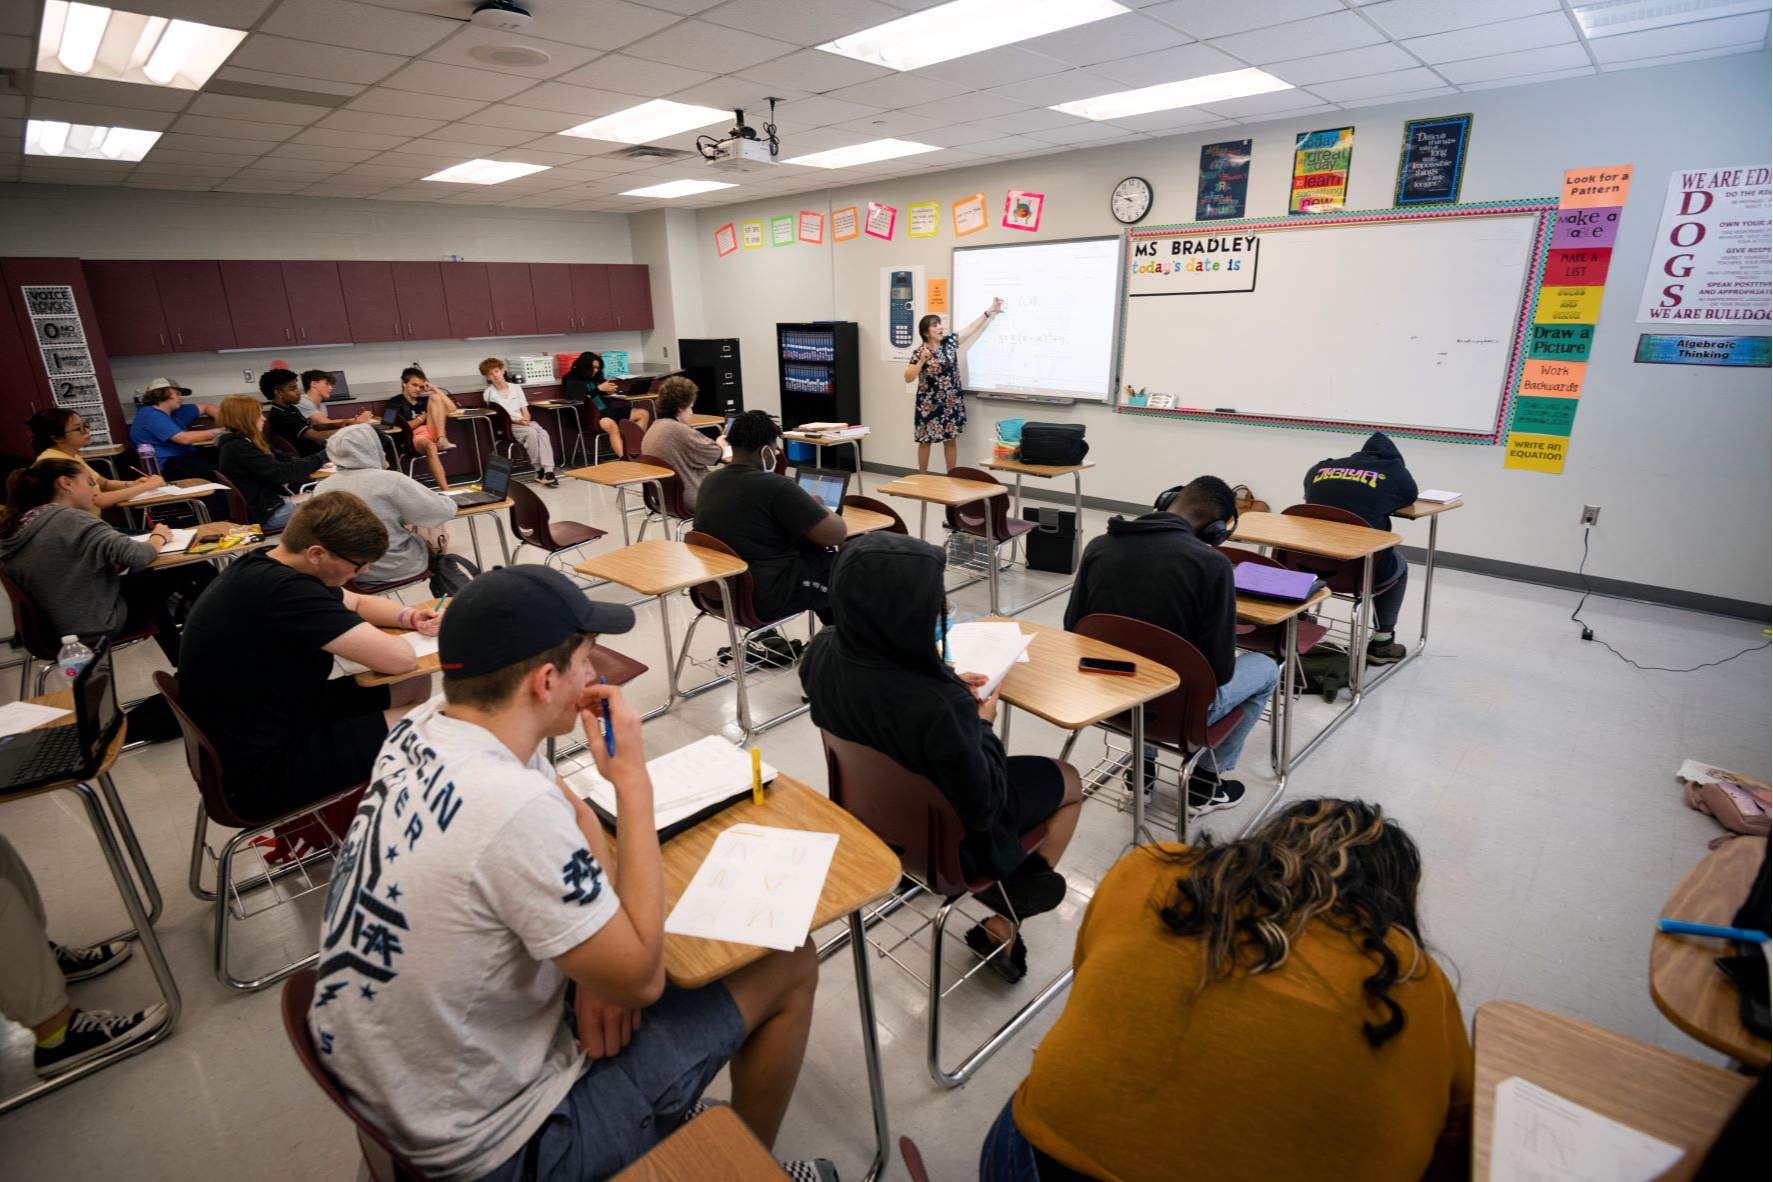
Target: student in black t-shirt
pixel 427 406
pixel 772 523
pixel 258 650
pixel 1373 483
pixel 282 390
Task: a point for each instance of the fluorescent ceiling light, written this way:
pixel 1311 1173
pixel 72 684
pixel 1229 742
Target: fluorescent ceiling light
pixel 678 189
pixel 97 42
pixel 84 141
pixel 648 122
pixel 486 172
pixel 866 153
pixel 1191 92
pixel 963 27
pixel 1612 17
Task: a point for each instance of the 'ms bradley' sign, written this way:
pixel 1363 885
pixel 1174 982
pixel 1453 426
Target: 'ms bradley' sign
pixel 1191 264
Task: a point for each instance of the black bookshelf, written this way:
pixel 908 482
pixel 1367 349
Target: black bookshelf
pixel 821 377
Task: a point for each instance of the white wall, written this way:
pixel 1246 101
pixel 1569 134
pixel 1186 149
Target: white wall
pixel 114 223
pixel 1661 448
pixel 665 240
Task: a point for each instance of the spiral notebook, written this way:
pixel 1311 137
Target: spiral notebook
pixel 690 784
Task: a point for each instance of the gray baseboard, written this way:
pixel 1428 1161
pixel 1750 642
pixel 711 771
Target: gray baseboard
pixel 1054 493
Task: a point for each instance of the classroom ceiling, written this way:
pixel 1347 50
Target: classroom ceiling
pixel 363 98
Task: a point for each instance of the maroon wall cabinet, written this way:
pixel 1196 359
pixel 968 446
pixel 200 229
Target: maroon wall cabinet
pixel 424 313
pixel 551 284
pixel 127 305
pixel 316 303
pixel 371 311
pixel 631 292
pixel 513 303
pixel 257 304
pixel 195 305
pixel 468 296
pixel 590 282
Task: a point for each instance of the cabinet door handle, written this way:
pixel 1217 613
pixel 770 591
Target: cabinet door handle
pixel 397 328
pixel 409 328
pixel 180 336
pixel 286 335
pixel 489 324
pixel 163 340
pixel 304 334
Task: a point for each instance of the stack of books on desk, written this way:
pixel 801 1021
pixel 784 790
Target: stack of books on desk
pixel 832 430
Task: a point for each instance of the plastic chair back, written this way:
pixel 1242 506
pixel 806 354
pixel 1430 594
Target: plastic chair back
pixel 632 437
pixel 1238 554
pixel 706 596
pixel 858 501
pixel 386 1164
pixel 970 519
pixel 238 512
pixel 902 808
pixel 27 626
pixel 1179 718
pixel 529 517
pixel 1341 577
pixel 673 506
pixel 281 445
pixel 203 761
pixel 501 425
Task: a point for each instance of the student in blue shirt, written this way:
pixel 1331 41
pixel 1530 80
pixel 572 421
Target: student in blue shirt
pixel 164 423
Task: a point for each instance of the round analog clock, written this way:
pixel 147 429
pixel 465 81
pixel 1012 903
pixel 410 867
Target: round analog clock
pixel 1131 200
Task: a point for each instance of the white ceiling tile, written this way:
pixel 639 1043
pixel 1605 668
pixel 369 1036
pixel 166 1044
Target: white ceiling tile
pixel 1528 32
pixel 457 81
pixel 227 106
pixel 474 133
pixel 336 62
pixel 460 49
pixel 239 184
pixel 375 170
pixel 1504 65
pixel 733 91
pixel 574 100
pixel 1079 132
pixel 1349 63
pixel 287 81
pixel 282 172
pixel 1059 88
pixel 418 191
pixel 1419 18
pixel 1410 97
pixel 953 135
pixel 381 100
pixel 1173 120
pixel 1166 65
pixel 1217 18
pixel 294 151
pixel 63 176
pixel 505 115
pixel 993 67
pixel 379 124
pixel 1001 146
pixel 330 137
pixel 1315 109
pixel 101 116
pixel 819 139
pixel 899 90
pixel 818 111
pixel 894 124
pixel 1531 79
pixel 1673 59
pixel 239 129
pixel 431 160
pixel 814 70
pixel 1260 104
pixel 104 91
pixel 169 157
pixel 179 142
pixel 1023 122
pixel 636 76
pixel 1104 40
pixel 796 20
pixel 228 14
pixel 1396 82
pixel 964 108
pixel 1306 38
pixel 362 26
pixel 443 144
pixel 1690 38
pixel 20 20
pixel 15 52
pixel 531 155
pixel 188 184
pixel 699 41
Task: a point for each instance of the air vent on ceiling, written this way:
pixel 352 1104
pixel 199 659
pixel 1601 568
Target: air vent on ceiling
pixel 649 152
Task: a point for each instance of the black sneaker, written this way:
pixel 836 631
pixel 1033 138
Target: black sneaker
pixel 1389 652
pixel 1011 963
pixel 1208 793
pixel 92 1033
pixel 548 478
pixel 813 1169
pixel 77 964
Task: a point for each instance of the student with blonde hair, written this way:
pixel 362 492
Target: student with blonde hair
pixel 246 459
pixel 508 397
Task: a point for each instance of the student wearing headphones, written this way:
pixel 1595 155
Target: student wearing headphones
pixel 1164 568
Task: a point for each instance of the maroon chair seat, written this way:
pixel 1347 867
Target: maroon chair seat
pixel 614 667
pixel 1271 638
pixel 970 519
pixel 857 501
pixel 632 435
pixel 745 625
pixel 500 419
pixel 281 445
pixel 238 512
pixel 532 525
pixel 358 588
pixel 672 506
pixel 706 596
pixel 29 630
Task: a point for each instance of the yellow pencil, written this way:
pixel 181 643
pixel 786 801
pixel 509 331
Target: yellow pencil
pixel 757 777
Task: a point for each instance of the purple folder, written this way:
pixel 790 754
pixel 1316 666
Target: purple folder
pixel 1268 582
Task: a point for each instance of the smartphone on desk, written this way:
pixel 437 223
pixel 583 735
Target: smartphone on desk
pixel 1112 668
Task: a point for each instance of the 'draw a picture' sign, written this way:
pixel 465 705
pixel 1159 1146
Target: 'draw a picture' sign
pixel 1710 263
pixel 1192 264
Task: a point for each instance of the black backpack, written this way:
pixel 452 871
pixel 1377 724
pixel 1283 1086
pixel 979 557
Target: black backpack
pixel 1053 443
pixel 450 573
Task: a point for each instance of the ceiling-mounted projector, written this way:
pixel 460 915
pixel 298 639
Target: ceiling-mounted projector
pixel 507 16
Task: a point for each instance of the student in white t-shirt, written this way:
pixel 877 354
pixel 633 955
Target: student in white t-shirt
pixel 508 396
pixel 489 997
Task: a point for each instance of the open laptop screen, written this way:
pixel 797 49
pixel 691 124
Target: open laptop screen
pixel 826 485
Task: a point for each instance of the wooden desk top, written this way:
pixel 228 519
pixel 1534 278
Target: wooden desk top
pixel 1427 509
pixel 619 472
pixel 1656 1091
pixel 102 451
pixel 864 521
pixel 556 404
pixel 1251 610
pixel 942 490
pixel 64 700
pixel 1049 686
pixel 863 871
pixel 717 1144
pixel 659 566
pixel 471 412
pixel 171 493
pixel 1687 987
pixel 1328 539
pixel 700 421
pixel 818 437
pixel 489 507
pixel 185 557
pixel 1034 469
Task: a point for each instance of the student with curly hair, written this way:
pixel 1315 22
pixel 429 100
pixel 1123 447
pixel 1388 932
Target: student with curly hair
pixel 685 450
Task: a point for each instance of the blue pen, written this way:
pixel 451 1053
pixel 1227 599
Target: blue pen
pixel 609 730
pixel 1681 927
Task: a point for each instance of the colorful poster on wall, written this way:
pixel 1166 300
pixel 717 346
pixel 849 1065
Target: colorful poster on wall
pixel 920 220
pixel 1224 180
pixel 1536 453
pixel 782 230
pixel 938 299
pixel 1021 210
pixel 881 219
pixel 969 215
pixel 1714 246
pixel 725 241
pixel 1321 160
pixel 843 224
pixel 1655 349
pixel 1431 164
pixel 811 227
pixel 752 233
pixel 61 339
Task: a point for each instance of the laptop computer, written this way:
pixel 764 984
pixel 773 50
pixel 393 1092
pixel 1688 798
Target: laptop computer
pixel 390 414
pixel 826 485
pixel 493 484
pixel 72 751
pixel 1268 582
pixel 341 389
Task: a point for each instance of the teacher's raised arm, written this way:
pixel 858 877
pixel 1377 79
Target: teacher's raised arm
pixel 978 326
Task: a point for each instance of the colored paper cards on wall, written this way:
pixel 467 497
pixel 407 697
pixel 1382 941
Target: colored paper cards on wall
pixel 1569 303
pixel 1320 170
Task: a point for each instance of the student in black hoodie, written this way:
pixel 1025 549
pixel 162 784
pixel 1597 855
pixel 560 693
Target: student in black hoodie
pixel 1157 568
pixel 876 677
pixel 1373 483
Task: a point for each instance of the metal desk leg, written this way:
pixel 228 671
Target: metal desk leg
pixel 1280 726
pixel 622 512
pixel 144 875
pixel 474 541
pixel 870 1046
pixel 1434 525
pixel 670 665
pixel 1076 522
pixel 504 540
pixel 1138 777
pixel 991 557
pixel 1357 657
pixel 1018 542
pixel 739 656
pixel 923 518
pixel 857 444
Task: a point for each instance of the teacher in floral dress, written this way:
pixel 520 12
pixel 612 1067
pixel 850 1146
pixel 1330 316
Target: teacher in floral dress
pixel 941 416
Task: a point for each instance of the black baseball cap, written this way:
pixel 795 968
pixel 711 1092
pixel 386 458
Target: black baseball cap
pixel 512 613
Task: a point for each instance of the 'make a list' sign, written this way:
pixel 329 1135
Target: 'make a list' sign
pixel 1431 165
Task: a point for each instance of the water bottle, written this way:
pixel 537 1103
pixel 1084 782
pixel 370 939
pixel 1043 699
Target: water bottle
pixel 146 460
pixel 73 658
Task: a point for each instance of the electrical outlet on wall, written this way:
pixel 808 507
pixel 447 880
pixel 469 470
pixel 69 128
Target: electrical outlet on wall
pixel 248 374
pixel 1591 514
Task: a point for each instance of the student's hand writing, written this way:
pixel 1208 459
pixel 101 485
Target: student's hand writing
pixel 630 757
pixel 154 481
pixel 604 1029
pixel 162 533
pixel 426 621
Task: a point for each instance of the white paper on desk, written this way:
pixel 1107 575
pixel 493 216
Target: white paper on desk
pixel 168 490
pixel 685 781
pixel 990 648
pixel 18 717
pixel 1439 496
pixel 422 646
pixel 1542 1137
pixel 758 885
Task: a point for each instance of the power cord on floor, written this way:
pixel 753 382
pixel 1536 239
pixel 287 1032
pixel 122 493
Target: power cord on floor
pixel 1588 632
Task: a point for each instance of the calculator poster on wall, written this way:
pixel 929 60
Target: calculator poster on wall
pixel 61 339
pixel 1710 261
pixel 1321 161
pixel 901 307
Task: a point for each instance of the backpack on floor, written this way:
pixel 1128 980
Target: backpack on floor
pixel 450 574
pixel 1323 670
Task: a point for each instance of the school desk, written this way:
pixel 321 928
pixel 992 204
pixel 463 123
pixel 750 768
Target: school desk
pixel 1431 510
pixel 951 493
pixel 716 1144
pixel 474 416
pixel 175 492
pixel 621 475
pixel 494 508
pixel 820 442
pixel 863 871
pixel 104 453
pixel 1269 613
pixel 861 521
pixel 561 406
pixel 1049 472
pixel 1655 1091
pixel 703 422
pixel 1690 990
pixel 219 557
pixel 141 919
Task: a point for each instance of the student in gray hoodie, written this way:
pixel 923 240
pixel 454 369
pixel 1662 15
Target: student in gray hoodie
pixel 397 499
pixel 75 568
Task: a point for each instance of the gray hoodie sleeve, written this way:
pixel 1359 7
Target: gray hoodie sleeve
pixel 118 549
pixel 420 506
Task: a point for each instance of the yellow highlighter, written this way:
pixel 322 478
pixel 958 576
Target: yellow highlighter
pixel 757 777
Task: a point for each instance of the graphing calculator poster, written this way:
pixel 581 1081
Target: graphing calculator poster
pixel 1321 161
pixel 1224 180
pixel 901 307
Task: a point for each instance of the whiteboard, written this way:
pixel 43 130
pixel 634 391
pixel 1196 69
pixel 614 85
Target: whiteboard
pixel 1055 338
pixel 1407 324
